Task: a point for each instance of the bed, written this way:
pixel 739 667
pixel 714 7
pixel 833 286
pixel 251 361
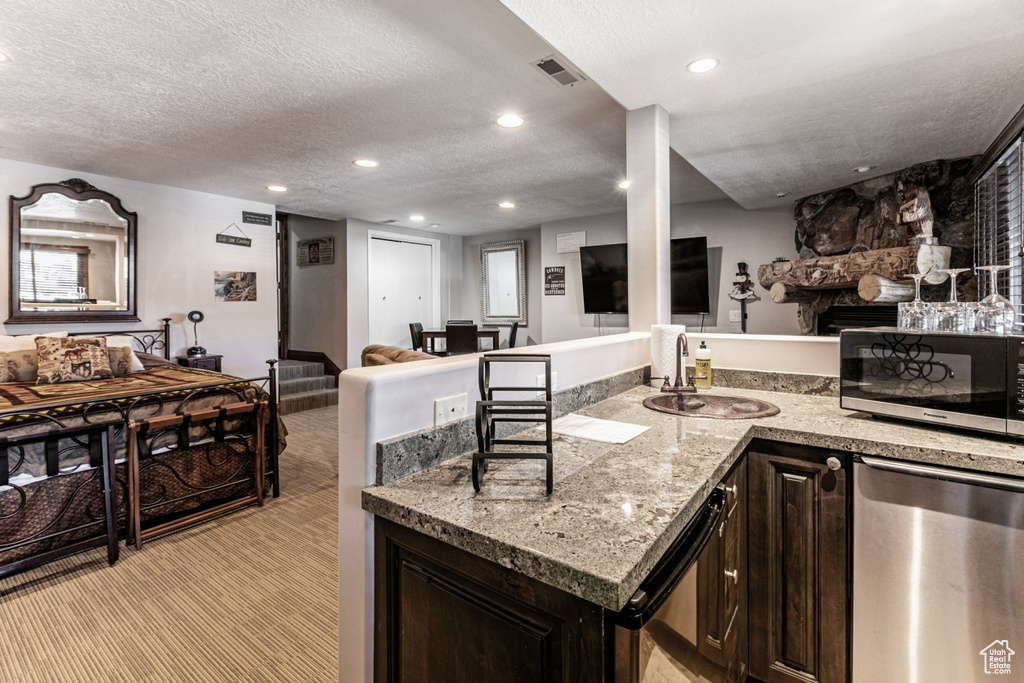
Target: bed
pixel 52 495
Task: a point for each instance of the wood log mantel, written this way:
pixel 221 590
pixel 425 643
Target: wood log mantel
pixel 846 271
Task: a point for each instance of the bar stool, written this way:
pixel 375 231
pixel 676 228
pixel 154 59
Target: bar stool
pixel 151 442
pixel 491 412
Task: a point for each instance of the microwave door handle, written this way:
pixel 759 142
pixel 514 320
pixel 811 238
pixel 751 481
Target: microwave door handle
pixel 663 579
pixel 990 481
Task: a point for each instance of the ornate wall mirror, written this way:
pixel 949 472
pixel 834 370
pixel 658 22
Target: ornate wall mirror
pixel 72 255
pixel 503 282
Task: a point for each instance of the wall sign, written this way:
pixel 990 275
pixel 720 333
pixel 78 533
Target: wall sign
pixel 257 218
pixel 242 241
pixel 318 251
pixel 569 242
pixel 554 281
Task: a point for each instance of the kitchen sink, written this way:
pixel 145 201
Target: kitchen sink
pixel 713 407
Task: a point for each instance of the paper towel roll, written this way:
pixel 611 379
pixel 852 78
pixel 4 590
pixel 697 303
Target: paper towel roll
pixel 663 352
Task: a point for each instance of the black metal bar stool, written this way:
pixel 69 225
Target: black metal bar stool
pixel 491 412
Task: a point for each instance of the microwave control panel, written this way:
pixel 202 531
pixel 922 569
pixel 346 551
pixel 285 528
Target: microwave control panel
pixel 1015 382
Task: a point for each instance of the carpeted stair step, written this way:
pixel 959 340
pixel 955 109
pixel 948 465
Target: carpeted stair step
pixel 301 385
pixel 294 369
pixel 308 400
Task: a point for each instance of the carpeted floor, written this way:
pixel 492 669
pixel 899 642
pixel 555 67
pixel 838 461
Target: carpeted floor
pixel 251 596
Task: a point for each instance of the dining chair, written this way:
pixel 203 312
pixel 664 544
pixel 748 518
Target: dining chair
pixel 461 339
pixel 460 322
pixel 416 332
pixel 512 335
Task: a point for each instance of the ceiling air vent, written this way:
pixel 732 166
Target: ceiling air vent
pixel 388 221
pixel 556 69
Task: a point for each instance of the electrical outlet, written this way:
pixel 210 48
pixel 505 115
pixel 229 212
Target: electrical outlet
pixel 554 382
pixel 735 316
pixel 449 409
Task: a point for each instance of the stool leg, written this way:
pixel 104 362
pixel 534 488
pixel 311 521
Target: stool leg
pixel 109 481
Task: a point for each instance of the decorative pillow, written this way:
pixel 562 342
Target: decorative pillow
pixel 126 340
pixel 19 366
pixel 120 360
pixel 72 360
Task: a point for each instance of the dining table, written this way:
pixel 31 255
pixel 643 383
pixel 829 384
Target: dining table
pixel 430 336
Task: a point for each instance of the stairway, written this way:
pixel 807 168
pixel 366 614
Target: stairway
pixel 304 386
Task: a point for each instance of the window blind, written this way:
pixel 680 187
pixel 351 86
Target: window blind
pixel 999 216
pixel 53 272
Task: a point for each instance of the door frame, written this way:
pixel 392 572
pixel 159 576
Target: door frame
pixel 281 220
pixel 435 275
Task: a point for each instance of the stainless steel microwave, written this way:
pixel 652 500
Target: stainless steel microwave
pixel 968 381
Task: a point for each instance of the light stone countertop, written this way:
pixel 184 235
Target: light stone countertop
pixel 616 508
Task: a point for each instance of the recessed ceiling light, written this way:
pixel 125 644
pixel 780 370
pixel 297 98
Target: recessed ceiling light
pixel 781 194
pixel 277 188
pixel 415 217
pixel 435 225
pixel 509 121
pixel 89 234
pixel 4 57
pixel 863 169
pixel 699 66
pixel 624 185
pixel 366 163
pixel 507 205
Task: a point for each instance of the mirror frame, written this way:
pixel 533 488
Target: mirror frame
pixel 76 189
pixel 519 247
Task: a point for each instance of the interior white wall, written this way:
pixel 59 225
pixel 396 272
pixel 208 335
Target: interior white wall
pixel 367 404
pixel 318 295
pixel 177 256
pixel 357 276
pixel 563 316
pixel 471 306
pixel 735 234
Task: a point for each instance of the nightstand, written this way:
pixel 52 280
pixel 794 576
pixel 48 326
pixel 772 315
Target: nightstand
pixel 200 362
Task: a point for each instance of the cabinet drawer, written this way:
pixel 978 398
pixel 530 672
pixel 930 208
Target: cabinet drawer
pixel 206 364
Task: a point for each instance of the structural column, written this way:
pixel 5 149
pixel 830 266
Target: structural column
pixel 647 217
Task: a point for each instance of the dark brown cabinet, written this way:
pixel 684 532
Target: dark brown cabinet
pixel 799 558
pixel 443 614
pixel 200 362
pixel 722 583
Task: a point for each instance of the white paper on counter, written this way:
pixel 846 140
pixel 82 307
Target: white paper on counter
pixel 596 430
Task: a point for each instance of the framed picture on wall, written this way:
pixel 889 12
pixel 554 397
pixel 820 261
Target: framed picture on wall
pixel 234 285
pixel 318 251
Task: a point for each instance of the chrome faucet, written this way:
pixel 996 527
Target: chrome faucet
pixel 682 385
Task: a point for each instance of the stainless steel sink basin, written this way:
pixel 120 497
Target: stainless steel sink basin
pixel 714 407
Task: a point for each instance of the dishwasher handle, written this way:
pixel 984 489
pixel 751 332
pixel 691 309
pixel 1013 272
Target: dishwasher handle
pixel 676 561
pixel 990 481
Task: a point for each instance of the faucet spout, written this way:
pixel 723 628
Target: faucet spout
pixel 682 349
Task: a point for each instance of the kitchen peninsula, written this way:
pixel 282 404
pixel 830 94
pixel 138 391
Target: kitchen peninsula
pixel 616 509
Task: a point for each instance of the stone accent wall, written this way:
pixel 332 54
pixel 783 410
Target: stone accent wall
pixel 863 216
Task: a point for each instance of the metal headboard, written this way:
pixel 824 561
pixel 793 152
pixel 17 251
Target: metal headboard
pixel 149 341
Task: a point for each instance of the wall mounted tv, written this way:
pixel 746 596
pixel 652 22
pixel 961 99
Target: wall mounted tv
pixel 604 278
pixel 690 291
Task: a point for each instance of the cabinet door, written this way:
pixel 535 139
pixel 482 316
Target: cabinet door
pixel 445 615
pixel 799 563
pixel 722 582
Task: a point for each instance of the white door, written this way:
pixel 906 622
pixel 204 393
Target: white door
pixel 401 289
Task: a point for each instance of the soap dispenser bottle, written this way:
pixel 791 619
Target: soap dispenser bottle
pixel 702 366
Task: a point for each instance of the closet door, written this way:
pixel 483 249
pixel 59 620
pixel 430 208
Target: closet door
pixel 401 289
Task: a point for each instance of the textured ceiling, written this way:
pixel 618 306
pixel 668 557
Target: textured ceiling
pixel 807 89
pixel 230 96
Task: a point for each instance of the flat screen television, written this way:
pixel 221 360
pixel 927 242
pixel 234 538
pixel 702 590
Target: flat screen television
pixel 690 291
pixel 604 278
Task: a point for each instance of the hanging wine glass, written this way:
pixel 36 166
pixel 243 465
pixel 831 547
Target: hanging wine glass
pixel 996 314
pixel 952 315
pixel 913 315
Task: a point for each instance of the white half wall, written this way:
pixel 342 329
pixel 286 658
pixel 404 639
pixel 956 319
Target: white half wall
pixel 177 256
pixel 386 401
pixel 318 295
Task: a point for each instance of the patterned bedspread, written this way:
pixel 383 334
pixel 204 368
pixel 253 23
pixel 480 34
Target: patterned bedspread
pixel 157 391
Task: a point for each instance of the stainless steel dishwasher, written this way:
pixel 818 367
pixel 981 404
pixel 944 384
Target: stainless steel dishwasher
pixel 938 574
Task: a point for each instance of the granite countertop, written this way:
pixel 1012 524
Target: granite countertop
pixel 616 508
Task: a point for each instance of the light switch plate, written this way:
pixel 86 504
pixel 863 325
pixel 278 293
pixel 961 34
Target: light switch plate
pixel 449 409
pixel 734 316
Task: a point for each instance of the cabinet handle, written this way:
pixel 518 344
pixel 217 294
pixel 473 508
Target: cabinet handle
pixel 732 490
pixel 734 575
pixel 834 463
